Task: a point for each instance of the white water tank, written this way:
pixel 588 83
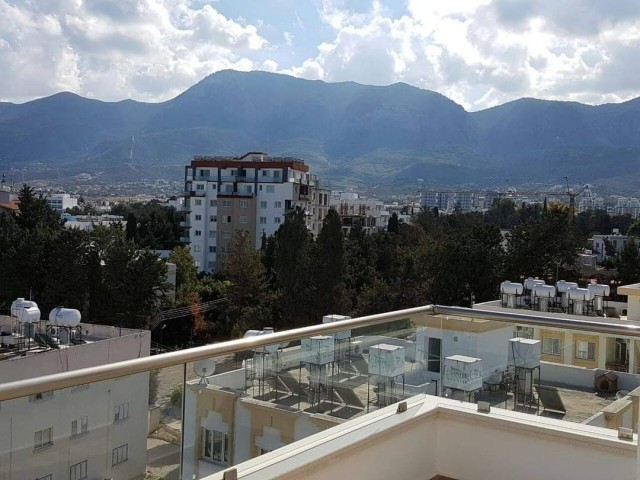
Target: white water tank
pixel 29 315
pixel 64 317
pixel 19 304
pixel 599 291
pixel 579 296
pixel 562 286
pixel 265 331
pixel 543 293
pixel 524 352
pixel 510 288
pixel 531 282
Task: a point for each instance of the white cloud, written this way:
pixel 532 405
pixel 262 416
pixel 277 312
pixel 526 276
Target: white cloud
pixel 147 50
pixel 484 52
pixel 477 52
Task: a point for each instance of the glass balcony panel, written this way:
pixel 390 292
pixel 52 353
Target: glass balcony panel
pixel 118 428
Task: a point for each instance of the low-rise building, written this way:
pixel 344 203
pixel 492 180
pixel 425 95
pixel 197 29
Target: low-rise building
pixel 98 430
pixel 369 213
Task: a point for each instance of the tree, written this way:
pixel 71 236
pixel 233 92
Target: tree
pixel 329 267
pixel 186 274
pixel 249 306
pixel 34 212
pixel 628 263
pixel 392 226
pixel 539 248
pixel 132 227
pixel 292 267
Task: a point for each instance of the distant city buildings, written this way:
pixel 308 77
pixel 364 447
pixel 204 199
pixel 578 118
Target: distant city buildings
pixel 369 213
pixel 253 193
pixel 88 222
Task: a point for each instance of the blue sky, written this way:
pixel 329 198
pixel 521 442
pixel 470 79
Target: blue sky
pixel 479 53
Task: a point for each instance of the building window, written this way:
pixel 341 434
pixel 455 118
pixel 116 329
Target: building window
pixel 586 350
pixel 80 426
pixel 200 186
pixel 228 188
pixel 121 412
pixel 213 218
pixel 214 186
pixel 212 249
pixel 43 438
pixel 551 346
pixel 215 446
pixel 78 471
pixel 213 203
pixel 197 233
pixel 197 202
pixel 196 248
pixel 263 204
pixel 277 220
pixel 227 235
pixel 226 219
pixel 271 188
pixel 243 219
pixel 244 203
pixel 265 173
pixel 276 174
pixel 249 188
pixel 120 455
pixel 212 234
pixel 198 218
pixel 277 204
pixel 263 220
pixel 227 203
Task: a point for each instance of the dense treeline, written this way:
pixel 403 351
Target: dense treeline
pixel 103 274
pixel 293 279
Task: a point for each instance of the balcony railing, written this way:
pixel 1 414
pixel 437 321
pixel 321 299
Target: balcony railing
pixel 221 404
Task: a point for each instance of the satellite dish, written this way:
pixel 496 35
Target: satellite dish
pixel 204 369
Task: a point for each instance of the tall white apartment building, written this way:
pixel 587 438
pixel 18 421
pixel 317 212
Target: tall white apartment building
pixel 253 193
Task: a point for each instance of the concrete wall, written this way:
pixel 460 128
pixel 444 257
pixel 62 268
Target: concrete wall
pixel 559 374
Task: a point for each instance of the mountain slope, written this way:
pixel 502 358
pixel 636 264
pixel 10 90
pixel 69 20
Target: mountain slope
pixel 346 131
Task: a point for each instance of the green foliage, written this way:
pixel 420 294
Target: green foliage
pixel 186 274
pixel 157 226
pixel 175 397
pixel 628 263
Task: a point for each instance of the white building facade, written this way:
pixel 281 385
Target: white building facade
pixel 250 193
pixel 92 431
pixel 61 201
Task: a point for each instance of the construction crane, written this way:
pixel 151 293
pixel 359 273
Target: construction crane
pixel 568 192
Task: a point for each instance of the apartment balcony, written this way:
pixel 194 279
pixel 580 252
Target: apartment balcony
pixel 185 239
pixel 423 393
pixel 185 224
pixel 198 193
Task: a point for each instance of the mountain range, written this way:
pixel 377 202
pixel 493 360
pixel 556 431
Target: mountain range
pixel 347 132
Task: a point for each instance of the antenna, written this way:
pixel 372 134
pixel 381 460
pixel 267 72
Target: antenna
pixel 204 369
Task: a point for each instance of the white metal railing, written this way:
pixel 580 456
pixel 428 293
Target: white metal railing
pixel 74 378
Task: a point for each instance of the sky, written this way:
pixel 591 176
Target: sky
pixel 479 53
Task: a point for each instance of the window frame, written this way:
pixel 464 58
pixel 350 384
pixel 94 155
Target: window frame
pixel 42 442
pixel 83 473
pixel 119 455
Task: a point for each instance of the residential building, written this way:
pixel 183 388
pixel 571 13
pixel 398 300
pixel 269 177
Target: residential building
pixel 305 411
pixel 96 430
pixel 250 193
pixel 617 240
pixel 369 213
pixel 61 201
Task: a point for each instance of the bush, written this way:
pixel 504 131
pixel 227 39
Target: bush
pixel 176 396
